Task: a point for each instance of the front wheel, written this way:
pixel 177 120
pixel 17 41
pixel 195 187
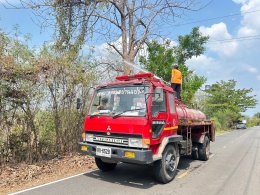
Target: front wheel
pixel 165 169
pixel 104 166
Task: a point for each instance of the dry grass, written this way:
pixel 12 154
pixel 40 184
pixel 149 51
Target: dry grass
pixel 22 176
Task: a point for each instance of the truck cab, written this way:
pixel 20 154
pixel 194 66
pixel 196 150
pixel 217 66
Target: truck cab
pixel 137 119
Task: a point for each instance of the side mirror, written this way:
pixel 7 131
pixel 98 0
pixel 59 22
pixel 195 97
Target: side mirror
pixel 158 91
pixel 79 103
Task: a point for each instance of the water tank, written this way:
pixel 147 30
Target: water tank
pixel 187 113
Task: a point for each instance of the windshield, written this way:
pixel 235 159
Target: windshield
pixel 123 101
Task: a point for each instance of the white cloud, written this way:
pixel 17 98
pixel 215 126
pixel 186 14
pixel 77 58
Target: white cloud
pixel 216 33
pixel 215 69
pixel 105 51
pixel 202 62
pixel 246 31
pixel 249 68
pixel 240 1
pixel 250 24
pixel 252 69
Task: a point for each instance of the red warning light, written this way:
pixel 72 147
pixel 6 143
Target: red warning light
pixel 122 78
pixel 136 76
pixel 143 75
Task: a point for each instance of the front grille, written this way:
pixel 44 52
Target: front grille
pixel 111 140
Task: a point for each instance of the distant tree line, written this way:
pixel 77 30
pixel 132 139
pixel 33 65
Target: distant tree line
pixel 253 121
pixel 225 103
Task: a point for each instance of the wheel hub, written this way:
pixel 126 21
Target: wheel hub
pixel 170 162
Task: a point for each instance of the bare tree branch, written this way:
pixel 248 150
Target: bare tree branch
pixel 130 21
pixel 115 48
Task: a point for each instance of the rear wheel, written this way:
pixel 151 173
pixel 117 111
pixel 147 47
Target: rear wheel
pixel 104 166
pixel 166 168
pixel 204 149
pixel 195 152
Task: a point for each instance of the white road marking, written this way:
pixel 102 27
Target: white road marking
pixel 140 184
pixel 210 156
pixel 52 182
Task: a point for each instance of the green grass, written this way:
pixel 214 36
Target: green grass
pixel 222 132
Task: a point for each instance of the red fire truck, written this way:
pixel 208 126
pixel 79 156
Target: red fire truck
pixel 137 119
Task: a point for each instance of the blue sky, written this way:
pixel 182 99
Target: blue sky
pixel 236 57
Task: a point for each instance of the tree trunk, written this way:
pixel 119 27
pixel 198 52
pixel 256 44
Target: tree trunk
pixel 58 136
pixel 33 137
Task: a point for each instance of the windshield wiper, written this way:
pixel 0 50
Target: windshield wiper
pixel 117 115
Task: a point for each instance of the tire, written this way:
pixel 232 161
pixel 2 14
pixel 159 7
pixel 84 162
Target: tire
pixel 204 149
pixel 166 169
pixel 103 166
pixel 195 151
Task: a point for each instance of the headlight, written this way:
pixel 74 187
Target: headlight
pixel 137 143
pixel 89 137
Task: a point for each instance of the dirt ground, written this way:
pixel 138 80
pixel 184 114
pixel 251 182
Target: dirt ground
pixel 22 176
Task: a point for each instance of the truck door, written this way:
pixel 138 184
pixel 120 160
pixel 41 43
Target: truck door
pixel 159 115
pixel 172 118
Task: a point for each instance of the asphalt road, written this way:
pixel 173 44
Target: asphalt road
pixel 233 168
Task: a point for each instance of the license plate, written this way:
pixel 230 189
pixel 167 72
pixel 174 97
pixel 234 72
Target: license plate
pixel 103 151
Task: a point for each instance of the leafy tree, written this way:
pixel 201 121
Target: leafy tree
pixel 224 119
pixel 257 115
pixel 161 58
pixel 190 45
pixel 190 85
pixel 20 96
pixel 223 96
pixel 38 92
pixel 253 121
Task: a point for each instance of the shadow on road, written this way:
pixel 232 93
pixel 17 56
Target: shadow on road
pixel 135 175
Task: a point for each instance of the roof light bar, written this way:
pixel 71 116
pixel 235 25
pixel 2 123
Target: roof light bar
pixel 136 76
pixel 143 75
pixel 122 78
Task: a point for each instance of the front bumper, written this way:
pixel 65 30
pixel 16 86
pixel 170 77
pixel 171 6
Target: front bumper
pixel 141 156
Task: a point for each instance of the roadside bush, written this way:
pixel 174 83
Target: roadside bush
pixel 38 93
pixel 253 121
pixel 217 124
pixel 225 119
pixel 45 126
